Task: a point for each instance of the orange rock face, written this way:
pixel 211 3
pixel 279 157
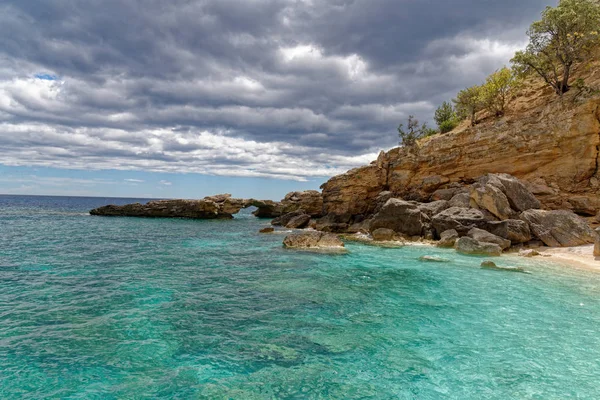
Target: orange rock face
pixel 550 145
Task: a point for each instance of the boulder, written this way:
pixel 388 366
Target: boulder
pixel 298 222
pixel 460 200
pixel 266 208
pixel 444 194
pixel 467 245
pixel 401 216
pixel 519 197
pixel 492 265
pixel 483 236
pixel 559 228
pixel 381 199
pixel 488 264
pixel 383 234
pixel 433 259
pixel 312 240
pixel 286 218
pixel 515 230
pixel 333 223
pixel 458 218
pixel 490 198
pixel 597 243
pixel 448 238
pixel 310 201
pixel 268 229
pixel 433 208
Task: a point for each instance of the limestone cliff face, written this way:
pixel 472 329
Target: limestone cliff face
pixel 552 146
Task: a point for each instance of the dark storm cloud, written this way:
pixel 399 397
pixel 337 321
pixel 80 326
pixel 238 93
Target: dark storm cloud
pixel 254 87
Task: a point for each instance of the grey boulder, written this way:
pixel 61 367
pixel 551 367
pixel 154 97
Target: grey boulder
pixel 483 236
pixel 559 228
pixel 401 216
pixel 458 218
pixel 448 238
pixel 467 245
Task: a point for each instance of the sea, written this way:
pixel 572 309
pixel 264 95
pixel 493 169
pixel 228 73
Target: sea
pixel 136 308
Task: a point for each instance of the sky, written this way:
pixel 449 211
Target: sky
pixel 188 98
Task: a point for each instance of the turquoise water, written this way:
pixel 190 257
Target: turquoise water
pixel 128 308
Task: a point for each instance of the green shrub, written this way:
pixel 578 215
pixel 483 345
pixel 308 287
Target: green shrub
pixel 495 93
pixel 560 42
pixel 468 103
pixel 448 125
pixel 413 132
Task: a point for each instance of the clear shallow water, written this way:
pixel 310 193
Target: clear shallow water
pixel 111 308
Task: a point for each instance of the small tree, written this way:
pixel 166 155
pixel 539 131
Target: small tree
pixel 560 42
pixel 445 117
pixel 468 103
pixel 496 91
pixel 413 132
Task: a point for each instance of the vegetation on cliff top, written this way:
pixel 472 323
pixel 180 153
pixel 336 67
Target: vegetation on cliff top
pixel 560 45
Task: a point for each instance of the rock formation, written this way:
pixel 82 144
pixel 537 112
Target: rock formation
pixel 501 212
pixel 219 206
pixel 313 240
pixel 215 207
pixel 551 147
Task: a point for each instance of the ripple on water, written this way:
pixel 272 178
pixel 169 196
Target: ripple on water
pixel 143 308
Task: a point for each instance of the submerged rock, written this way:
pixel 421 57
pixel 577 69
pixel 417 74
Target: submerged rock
pixel 435 259
pixel 268 229
pixel 492 265
pixel 467 245
pixel 313 240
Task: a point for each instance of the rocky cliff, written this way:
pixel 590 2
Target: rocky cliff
pixel 550 144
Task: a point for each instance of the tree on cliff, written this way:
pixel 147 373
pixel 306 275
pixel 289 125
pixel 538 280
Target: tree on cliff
pixel 560 42
pixel 497 90
pixel 468 103
pixel 413 132
pixel 445 117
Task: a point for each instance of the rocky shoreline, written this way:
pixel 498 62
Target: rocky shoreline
pixel 493 214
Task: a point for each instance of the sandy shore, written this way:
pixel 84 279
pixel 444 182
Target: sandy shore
pixel 580 256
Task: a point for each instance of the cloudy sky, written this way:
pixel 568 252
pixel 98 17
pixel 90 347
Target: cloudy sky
pixel 186 98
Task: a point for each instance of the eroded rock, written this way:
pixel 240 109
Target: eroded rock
pixel 515 230
pixel 401 216
pixel 467 245
pixel 448 238
pixel 559 228
pixel 459 219
pixel 483 236
pixel 313 240
pixel 383 235
pixel 490 198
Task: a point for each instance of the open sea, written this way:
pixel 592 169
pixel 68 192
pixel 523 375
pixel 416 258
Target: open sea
pixel 133 308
